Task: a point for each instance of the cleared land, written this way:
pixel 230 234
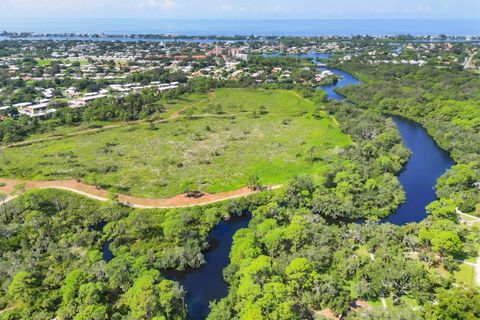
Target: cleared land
pixel 14 187
pixel 466 274
pixel 217 144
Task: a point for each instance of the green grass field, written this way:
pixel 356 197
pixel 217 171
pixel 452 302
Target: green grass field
pixel 172 107
pixel 225 139
pixel 44 62
pixel 466 275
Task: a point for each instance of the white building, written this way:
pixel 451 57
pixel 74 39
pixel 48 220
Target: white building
pixel 37 110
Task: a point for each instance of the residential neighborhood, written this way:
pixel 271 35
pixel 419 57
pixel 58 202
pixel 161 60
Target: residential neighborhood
pixel 40 76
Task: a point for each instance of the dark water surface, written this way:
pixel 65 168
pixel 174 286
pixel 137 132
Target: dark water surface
pixel 346 79
pixel 427 164
pixel 206 283
pixel 106 252
pixel 231 27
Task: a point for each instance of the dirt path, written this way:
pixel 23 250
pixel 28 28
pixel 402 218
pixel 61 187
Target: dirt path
pixel 299 96
pixel 475 219
pixel 468 62
pixel 177 113
pixel 72 134
pixel 78 133
pixel 10 186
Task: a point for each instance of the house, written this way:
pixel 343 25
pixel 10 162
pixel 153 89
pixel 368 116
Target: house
pixel 91 97
pixel 120 88
pixel 37 110
pixel 71 92
pixel 164 87
pixel 77 103
pixel 80 102
pixel 22 104
pixel 323 75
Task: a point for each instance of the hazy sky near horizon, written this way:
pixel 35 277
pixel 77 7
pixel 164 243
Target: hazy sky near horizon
pixel 255 9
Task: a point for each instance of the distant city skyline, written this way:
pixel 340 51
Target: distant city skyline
pixel 246 9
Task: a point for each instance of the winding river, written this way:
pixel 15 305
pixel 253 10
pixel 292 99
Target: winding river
pixel 418 178
pixel 206 283
pixel 428 162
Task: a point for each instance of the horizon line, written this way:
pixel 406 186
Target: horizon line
pixel 247 19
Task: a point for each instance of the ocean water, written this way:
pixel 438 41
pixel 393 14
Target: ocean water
pixel 340 27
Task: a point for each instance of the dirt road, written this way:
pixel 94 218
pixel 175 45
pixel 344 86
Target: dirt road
pixel 12 186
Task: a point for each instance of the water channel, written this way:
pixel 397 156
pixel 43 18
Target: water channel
pixel 427 164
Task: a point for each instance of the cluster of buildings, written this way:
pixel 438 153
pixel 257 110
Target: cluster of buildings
pixel 43 108
pixel 226 53
pixel 52 67
pixel 322 76
pixel 439 54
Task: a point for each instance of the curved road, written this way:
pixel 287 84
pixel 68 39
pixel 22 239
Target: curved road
pixel 10 186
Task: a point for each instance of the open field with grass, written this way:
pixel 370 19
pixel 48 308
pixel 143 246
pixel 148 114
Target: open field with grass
pixel 45 62
pixel 466 275
pixel 172 108
pixel 216 145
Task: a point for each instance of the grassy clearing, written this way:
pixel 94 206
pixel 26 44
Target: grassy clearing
pixel 215 153
pixel 172 108
pixel 471 259
pixel 249 100
pixel 175 107
pixel 466 274
pixel 404 300
pixel 45 62
pixel 363 251
pixel 375 303
pixel 61 131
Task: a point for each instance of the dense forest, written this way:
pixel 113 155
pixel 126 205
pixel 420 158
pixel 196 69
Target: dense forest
pixel 300 255
pixel 291 264
pixel 294 261
pixel 310 248
pixel 52 264
pixel 447 103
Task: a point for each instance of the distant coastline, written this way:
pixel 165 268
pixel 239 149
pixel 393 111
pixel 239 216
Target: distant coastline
pixel 5 35
pixel 244 27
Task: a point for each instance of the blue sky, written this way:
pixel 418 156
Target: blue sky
pixel 257 9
